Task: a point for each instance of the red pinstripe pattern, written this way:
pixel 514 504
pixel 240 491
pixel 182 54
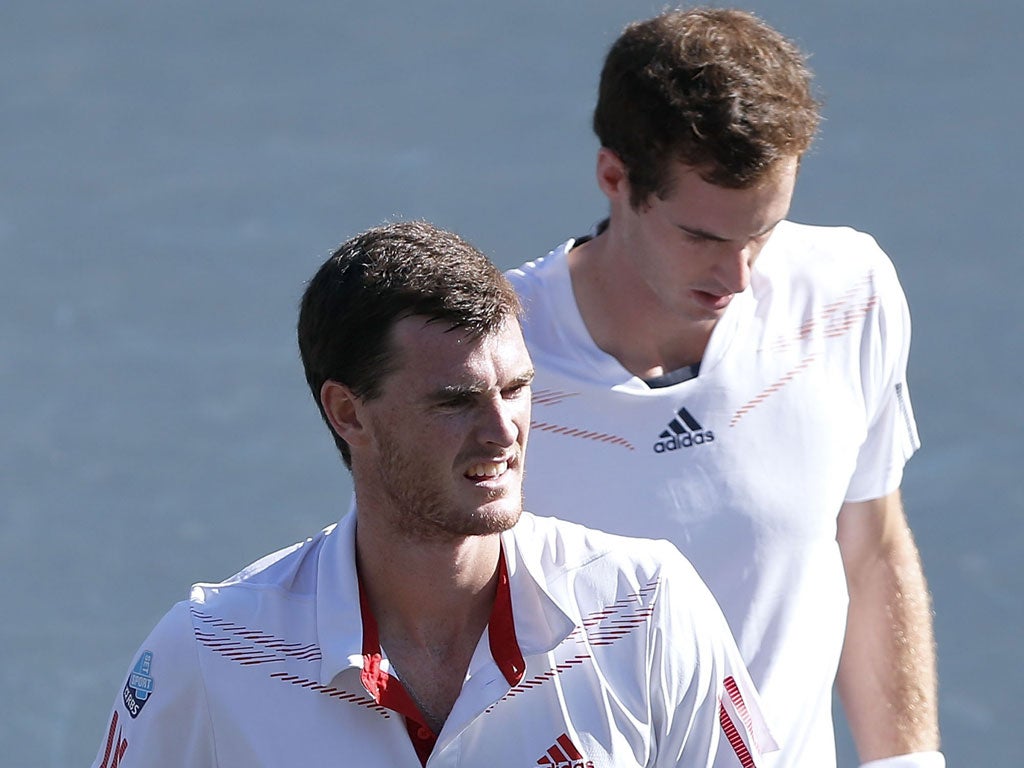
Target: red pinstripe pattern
pixel 736 697
pixel 248 647
pixel 110 738
pixel 266 647
pixel 841 324
pixel 825 316
pixel 834 320
pixel 731 733
pixel 116 751
pixel 600 437
pixel 551 396
pixel 601 627
pixel 771 389
pixel 334 693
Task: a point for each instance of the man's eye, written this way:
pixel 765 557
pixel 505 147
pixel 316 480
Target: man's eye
pixel 449 402
pixel 696 239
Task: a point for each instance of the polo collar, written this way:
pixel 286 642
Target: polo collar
pixel 501 634
pixel 389 692
pixel 525 619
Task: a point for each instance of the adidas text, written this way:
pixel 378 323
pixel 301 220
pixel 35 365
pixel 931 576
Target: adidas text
pixel 685 440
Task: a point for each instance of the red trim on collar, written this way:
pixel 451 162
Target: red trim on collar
pixel 501 629
pixel 389 692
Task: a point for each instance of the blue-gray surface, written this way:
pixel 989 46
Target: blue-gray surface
pixel 171 173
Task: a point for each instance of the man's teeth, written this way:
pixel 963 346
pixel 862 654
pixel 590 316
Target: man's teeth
pixel 488 469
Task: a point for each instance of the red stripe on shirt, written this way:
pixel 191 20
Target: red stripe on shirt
pixel 733 735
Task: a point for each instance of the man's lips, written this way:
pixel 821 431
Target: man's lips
pixel 712 301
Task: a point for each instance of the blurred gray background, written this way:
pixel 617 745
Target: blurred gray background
pixel 172 172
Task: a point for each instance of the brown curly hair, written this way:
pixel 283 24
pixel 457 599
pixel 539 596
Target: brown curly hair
pixel 716 89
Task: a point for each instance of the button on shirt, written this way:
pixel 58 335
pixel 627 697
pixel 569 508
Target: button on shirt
pixel 601 650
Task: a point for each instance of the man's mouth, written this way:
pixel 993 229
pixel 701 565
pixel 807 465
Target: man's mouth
pixel 713 300
pixel 487 470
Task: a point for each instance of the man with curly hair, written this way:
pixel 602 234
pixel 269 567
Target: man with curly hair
pixel 714 374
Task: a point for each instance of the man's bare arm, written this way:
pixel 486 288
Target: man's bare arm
pixel 887 673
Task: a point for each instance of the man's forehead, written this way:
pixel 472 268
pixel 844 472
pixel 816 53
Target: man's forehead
pixel 715 211
pixel 426 337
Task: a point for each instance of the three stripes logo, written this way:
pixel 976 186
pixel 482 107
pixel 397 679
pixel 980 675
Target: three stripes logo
pixel 564 754
pixel 683 431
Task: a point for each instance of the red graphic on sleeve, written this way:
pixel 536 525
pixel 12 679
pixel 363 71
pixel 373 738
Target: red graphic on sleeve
pixel 116 746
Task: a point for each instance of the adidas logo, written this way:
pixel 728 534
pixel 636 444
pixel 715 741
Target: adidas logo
pixel 564 754
pixel 683 431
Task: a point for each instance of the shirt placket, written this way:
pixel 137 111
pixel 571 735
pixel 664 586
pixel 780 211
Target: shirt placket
pixel 388 691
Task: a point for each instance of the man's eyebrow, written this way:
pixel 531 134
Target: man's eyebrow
pixel 458 390
pixel 704 234
pixel 475 388
pixel 523 379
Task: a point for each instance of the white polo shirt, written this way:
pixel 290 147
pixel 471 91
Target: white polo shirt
pixel 600 651
pixel 801 404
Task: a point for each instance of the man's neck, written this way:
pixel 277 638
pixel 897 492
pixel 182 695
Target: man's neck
pixel 625 320
pixel 427 589
pixel 431 602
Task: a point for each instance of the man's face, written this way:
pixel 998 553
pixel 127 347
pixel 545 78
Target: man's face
pixel 694 249
pixel 448 431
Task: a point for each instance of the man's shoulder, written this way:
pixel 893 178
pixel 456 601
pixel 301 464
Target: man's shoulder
pixel 563 547
pixel 288 573
pixel 537 277
pixel 810 263
pixel 808 247
pixel 822 235
pixel 592 574
pixel 552 327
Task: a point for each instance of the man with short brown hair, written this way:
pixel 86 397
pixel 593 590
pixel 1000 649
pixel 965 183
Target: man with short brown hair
pixel 714 374
pixel 438 624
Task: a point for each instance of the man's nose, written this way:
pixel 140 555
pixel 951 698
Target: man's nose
pixel 733 267
pixel 498 425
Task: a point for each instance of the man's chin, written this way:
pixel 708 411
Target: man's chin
pixel 502 509
pixel 497 517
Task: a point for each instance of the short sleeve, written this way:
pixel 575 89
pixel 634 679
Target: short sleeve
pixel 707 711
pixel 892 436
pixel 160 716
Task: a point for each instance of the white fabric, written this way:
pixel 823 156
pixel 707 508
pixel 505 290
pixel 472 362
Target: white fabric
pixel 800 405
pixel 627 656
pixel 912 760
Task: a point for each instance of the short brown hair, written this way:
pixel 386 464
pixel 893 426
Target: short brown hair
pixel 716 89
pixel 379 277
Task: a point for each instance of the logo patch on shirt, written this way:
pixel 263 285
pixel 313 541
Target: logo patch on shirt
pixel 683 431
pixel 564 754
pixel 139 686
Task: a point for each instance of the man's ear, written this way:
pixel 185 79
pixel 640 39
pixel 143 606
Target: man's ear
pixel 341 407
pixel 612 176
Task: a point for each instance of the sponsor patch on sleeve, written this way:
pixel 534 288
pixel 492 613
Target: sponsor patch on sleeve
pixel 139 687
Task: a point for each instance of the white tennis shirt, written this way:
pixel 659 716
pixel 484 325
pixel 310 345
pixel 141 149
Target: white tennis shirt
pixel 601 651
pixel 800 404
